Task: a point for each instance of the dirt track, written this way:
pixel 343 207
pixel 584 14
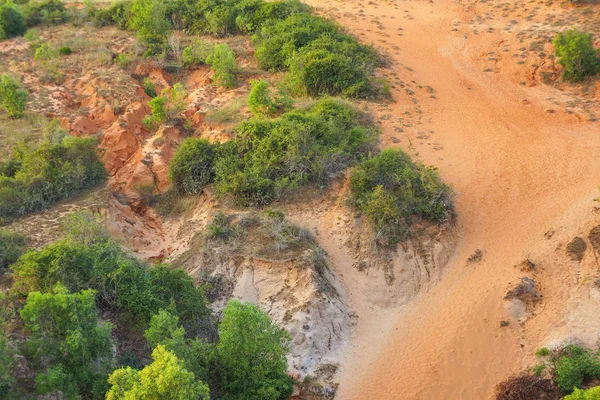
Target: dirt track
pixel 519 168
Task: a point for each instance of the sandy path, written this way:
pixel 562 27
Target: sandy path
pixel 517 170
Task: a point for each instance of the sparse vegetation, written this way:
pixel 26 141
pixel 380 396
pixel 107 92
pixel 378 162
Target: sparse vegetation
pixel 167 107
pixel 391 190
pixel 46 12
pixel 577 54
pixel 196 53
pixel 259 100
pixel 13 99
pixel 149 88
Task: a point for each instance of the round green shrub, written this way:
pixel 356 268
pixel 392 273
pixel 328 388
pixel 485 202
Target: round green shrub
pixel 12 21
pixel 192 166
pixel 577 54
pixel 13 99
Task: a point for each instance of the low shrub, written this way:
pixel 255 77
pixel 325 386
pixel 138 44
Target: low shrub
pixel 259 100
pixel 577 54
pixel 192 166
pixel 270 158
pixel 197 52
pixel 167 107
pixel 49 173
pixel 118 13
pixel 149 88
pixel 12 21
pixel 222 62
pixel 46 12
pixel 391 190
pixel 12 246
pixel 573 364
pixel 65 51
pixel 13 99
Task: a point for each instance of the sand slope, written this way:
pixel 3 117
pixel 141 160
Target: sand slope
pixel 519 170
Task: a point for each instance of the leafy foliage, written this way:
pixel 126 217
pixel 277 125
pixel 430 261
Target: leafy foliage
pixel 167 107
pixel 164 379
pixel 222 62
pixel 66 342
pixel 13 99
pixel 577 54
pixel 259 99
pixel 322 59
pixel 149 19
pixel 197 52
pixel 88 259
pixel 12 246
pixel 572 365
pixel 40 177
pixel 192 166
pixel 589 394
pixel 253 354
pixel 118 13
pixel 149 88
pixel 46 12
pixel 12 21
pixel 391 190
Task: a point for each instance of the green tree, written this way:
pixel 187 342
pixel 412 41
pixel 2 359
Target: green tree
pixel 164 379
pixel 69 347
pixel 253 354
pixel 577 54
pixel 12 21
pixel 222 62
pixel 149 19
pixel 192 166
pixel 13 99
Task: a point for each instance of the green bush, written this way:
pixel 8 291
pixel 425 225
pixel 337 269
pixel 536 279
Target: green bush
pixel 149 19
pixel 572 365
pixel 65 51
pixel 391 191
pixel 164 379
pixel 259 100
pixel 192 166
pixel 13 99
pixel 88 259
pixel 12 21
pixel 167 107
pixel 269 158
pixel 47 12
pixel 253 353
pixel 117 13
pixel 48 174
pixel 12 246
pixel 197 52
pixel 70 349
pixel 577 54
pixel 149 88
pixel 589 394
pixel 222 62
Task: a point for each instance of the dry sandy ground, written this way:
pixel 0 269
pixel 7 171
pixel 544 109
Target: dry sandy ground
pixel 520 168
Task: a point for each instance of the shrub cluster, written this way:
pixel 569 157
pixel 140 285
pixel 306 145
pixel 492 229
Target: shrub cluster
pixel 73 285
pixel 13 99
pixel 270 157
pixel 46 12
pixel 391 190
pixel 12 21
pixel 322 59
pixel 222 62
pixel 577 54
pixel 263 102
pixel 34 179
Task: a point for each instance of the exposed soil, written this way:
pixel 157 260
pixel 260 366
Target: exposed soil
pixel 479 100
